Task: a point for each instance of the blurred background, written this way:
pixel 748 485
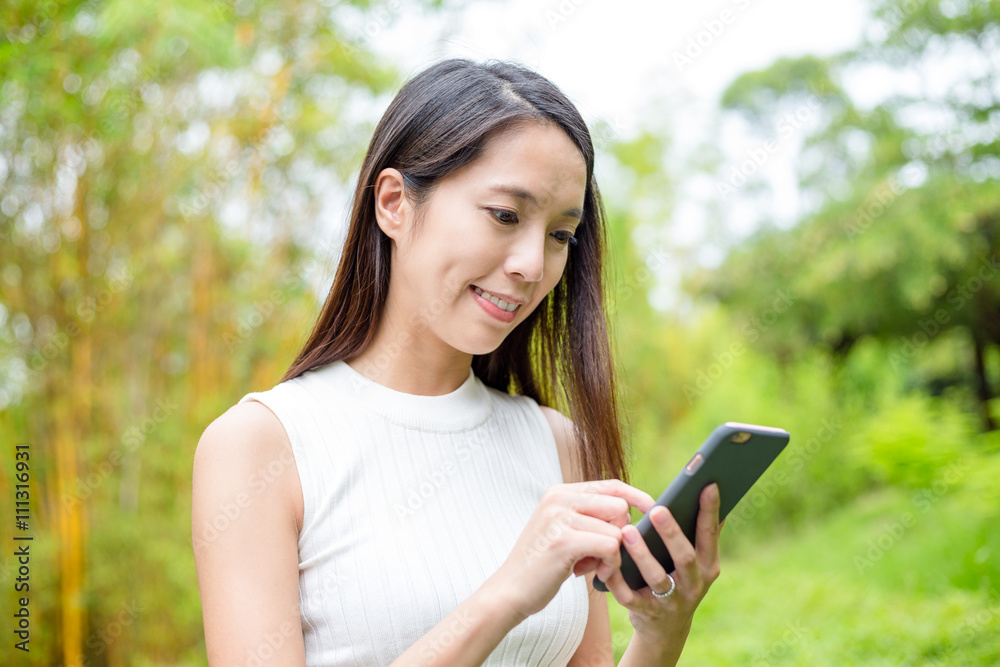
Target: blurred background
pixel 805 209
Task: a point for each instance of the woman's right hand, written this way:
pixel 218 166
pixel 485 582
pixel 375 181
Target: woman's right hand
pixel 575 529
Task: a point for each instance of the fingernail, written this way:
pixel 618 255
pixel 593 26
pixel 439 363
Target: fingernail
pixel 631 535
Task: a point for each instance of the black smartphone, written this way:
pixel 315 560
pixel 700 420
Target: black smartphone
pixel 734 456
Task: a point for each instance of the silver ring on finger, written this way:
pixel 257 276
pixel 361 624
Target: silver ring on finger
pixel 673 585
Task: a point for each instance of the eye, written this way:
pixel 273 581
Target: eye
pixel 505 216
pixel 564 237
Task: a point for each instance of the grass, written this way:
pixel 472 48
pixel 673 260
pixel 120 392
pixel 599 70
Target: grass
pixel 899 577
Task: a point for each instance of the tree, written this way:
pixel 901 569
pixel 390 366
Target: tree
pixel 902 242
pixel 162 172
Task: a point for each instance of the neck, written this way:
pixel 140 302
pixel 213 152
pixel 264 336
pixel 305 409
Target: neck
pixel 404 355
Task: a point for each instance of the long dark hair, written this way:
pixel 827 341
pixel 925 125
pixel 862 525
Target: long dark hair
pixel 560 355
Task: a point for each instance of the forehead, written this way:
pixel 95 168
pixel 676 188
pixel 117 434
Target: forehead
pixel 539 158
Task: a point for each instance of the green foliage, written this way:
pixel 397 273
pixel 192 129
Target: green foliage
pixel 872 453
pixel 909 441
pixel 900 578
pixel 756 94
pixel 903 244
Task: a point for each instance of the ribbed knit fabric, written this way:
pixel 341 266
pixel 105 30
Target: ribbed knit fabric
pixel 411 503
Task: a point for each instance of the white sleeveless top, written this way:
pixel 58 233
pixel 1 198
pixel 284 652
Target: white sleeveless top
pixel 411 503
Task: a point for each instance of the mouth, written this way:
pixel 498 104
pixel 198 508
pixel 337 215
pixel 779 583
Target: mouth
pixel 496 301
pixel 494 305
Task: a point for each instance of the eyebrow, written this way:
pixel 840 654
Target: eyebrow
pixel 521 193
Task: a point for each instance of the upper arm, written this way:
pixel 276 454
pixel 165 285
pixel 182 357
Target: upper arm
pixel 245 519
pixel 595 648
pixel 562 431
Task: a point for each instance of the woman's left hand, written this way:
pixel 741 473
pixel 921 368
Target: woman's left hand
pixel 665 622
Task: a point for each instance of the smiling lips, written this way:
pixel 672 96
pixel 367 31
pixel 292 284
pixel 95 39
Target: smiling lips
pixel 500 303
pixel 495 306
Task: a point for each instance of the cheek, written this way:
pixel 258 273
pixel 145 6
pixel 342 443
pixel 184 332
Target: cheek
pixel 470 257
pixel 554 269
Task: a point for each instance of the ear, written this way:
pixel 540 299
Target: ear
pixel 392 210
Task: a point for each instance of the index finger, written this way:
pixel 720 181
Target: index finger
pixel 615 487
pixel 706 543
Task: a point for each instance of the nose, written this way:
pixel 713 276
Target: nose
pixel 527 257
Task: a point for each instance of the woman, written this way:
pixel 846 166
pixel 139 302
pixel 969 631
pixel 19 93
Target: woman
pixel 405 495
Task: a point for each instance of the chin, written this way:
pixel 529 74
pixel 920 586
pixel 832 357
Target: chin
pixel 480 345
pixel 480 350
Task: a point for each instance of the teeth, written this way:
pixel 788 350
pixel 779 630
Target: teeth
pixel 499 303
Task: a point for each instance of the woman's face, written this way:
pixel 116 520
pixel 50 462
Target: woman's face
pixel 496 230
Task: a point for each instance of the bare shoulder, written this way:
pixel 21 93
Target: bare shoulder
pixel 566 443
pixel 251 417
pixel 245 520
pixel 248 445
